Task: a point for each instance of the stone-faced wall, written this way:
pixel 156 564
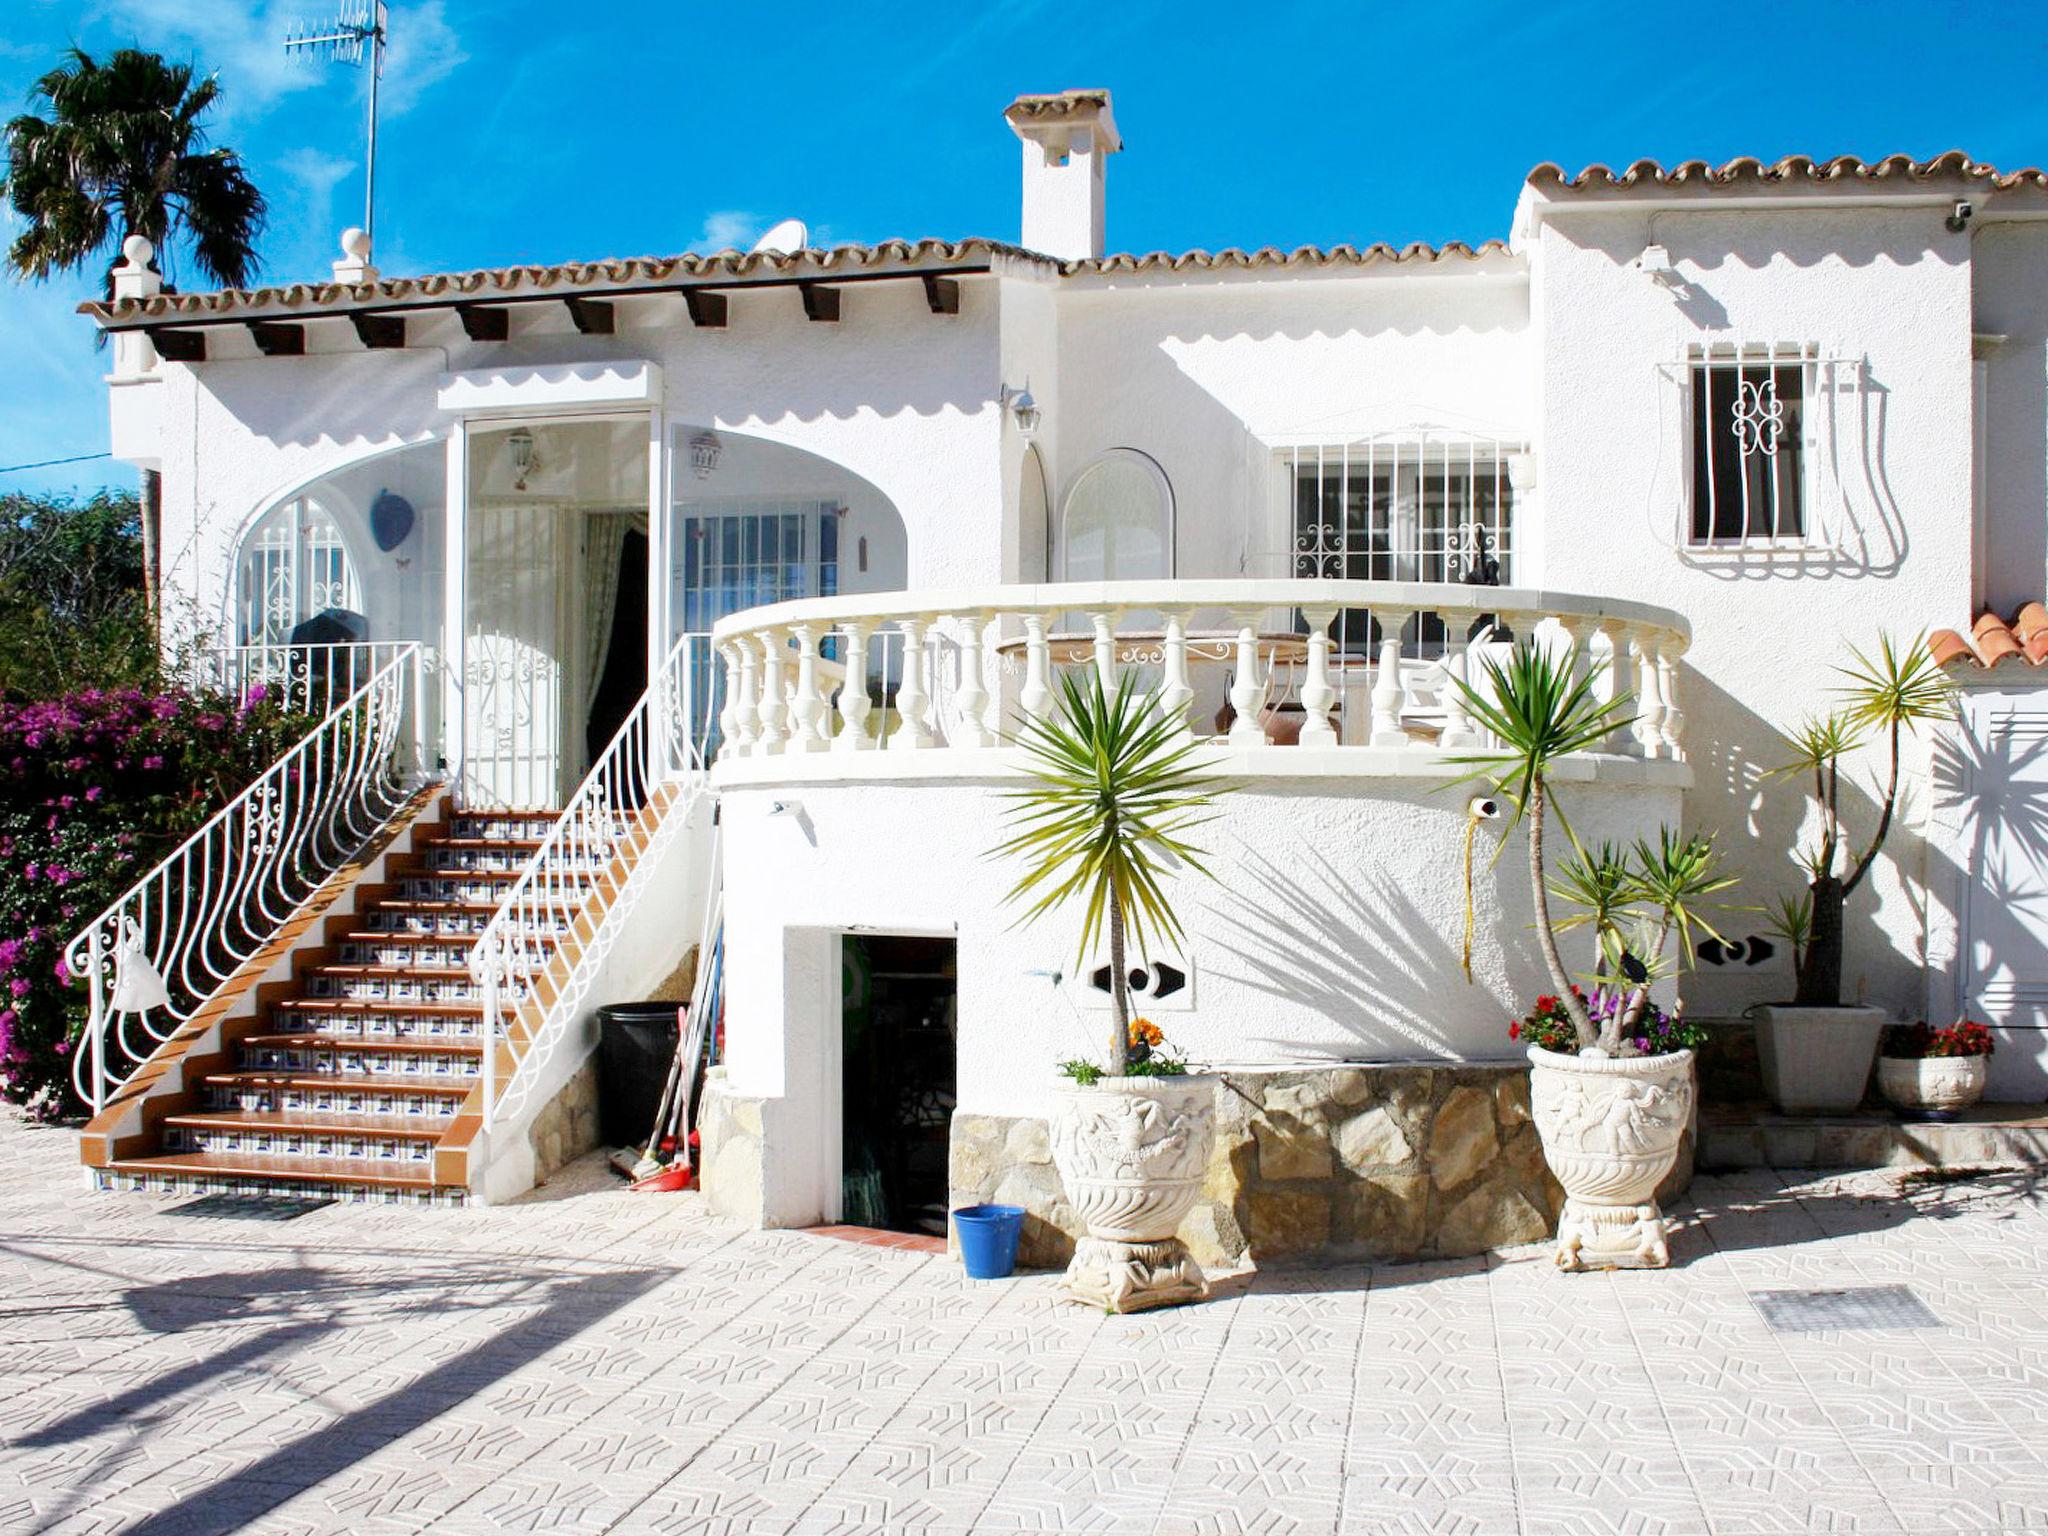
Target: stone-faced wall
pixel 567 1127
pixel 1390 1162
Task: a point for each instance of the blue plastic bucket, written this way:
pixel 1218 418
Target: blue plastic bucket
pixel 988 1239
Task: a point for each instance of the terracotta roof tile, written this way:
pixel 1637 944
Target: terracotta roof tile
pixel 620 274
pixel 1301 258
pixel 1993 640
pixel 1955 165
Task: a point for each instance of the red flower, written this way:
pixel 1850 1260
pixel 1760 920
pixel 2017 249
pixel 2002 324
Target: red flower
pixel 1515 1030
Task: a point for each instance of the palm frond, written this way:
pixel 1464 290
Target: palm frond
pixel 1897 684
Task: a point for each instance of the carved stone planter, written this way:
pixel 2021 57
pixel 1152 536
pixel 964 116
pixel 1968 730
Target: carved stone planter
pixel 1611 1128
pixel 1131 1152
pixel 1934 1087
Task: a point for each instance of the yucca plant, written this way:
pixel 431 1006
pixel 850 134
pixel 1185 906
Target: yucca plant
pixel 1887 695
pixel 1539 712
pixel 1113 786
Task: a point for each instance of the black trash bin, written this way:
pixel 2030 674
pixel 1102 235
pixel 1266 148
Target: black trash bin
pixel 635 1046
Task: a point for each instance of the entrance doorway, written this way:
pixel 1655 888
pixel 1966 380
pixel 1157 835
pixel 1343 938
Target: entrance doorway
pixel 899 1031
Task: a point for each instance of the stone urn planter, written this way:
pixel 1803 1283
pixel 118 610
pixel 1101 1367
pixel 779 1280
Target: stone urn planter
pixel 1131 1152
pixel 1932 1087
pixel 1611 1128
pixel 1816 1060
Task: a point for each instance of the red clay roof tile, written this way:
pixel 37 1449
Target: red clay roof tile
pixel 1994 640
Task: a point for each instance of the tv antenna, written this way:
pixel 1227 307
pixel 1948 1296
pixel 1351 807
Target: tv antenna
pixel 361 27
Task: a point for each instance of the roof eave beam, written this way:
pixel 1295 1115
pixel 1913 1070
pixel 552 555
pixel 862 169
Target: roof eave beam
pixel 484 322
pixel 820 302
pixel 593 317
pixel 274 339
pixel 707 310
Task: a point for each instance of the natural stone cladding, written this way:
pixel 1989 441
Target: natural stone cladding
pixel 1388 1162
pixel 568 1126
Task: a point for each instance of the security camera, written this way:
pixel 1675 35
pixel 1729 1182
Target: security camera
pixel 1959 216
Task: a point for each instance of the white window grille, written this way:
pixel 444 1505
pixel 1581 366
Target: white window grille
pixel 1765 429
pixel 295 565
pixel 1426 505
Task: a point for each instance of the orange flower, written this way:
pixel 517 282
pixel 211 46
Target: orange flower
pixel 1145 1032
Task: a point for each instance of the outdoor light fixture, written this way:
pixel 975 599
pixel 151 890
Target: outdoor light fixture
pixel 524 459
pixel 1023 409
pixel 704 451
pixel 1655 264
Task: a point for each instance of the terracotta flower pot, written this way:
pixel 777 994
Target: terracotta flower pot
pixel 1611 1128
pixel 1934 1087
pixel 1131 1153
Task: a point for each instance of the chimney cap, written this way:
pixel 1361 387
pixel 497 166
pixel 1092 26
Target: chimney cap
pixel 1031 115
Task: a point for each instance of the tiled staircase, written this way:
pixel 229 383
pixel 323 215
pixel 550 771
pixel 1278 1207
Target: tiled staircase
pixel 349 1076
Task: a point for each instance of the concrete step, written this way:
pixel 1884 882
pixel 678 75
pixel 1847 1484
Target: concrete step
pixel 1733 1136
pixel 248 1173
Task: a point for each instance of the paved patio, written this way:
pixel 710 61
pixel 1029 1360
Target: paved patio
pixel 592 1360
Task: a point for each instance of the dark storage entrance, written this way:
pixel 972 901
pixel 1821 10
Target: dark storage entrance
pixel 899 1031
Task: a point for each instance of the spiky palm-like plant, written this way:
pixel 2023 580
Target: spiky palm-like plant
pixel 1113 787
pixel 118 148
pixel 1540 712
pixel 1888 694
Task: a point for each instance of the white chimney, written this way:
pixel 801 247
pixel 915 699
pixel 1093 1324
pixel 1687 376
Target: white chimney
pixel 1067 139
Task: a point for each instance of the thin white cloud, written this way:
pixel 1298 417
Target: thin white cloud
pixel 244 41
pixel 729 229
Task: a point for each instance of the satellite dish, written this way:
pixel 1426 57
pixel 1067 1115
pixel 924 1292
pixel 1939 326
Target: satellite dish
pixel 785 239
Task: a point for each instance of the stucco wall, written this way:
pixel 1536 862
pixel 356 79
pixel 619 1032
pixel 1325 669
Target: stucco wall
pixel 1330 933
pixel 1889 286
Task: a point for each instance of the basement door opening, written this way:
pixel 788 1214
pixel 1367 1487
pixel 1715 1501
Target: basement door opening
pixel 899 1068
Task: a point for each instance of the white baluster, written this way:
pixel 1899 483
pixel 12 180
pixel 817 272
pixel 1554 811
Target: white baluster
pixel 1621 666
pixel 1649 726
pixel 1457 664
pixel 747 713
pixel 854 703
pixel 1317 695
pixel 806 703
pixel 911 698
pixel 1175 693
pixel 1104 625
pixel 972 698
pixel 1672 727
pixel 1247 688
pixel 774 697
pixel 729 712
pixel 1580 633
pixel 1387 693
pixel 994 716
pixel 1036 699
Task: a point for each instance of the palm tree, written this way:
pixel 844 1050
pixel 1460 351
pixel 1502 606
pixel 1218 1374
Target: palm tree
pixel 1114 785
pixel 119 149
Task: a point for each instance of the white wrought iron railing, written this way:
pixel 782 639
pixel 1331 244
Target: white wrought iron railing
pixel 313 678
pixel 646 781
pixel 153 957
pixel 1247 663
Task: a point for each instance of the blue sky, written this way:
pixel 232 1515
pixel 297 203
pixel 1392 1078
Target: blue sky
pixel 519 131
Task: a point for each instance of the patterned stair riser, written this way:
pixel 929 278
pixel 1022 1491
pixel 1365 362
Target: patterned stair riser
pixel 345 1026
pixel 415 987
pixel 308 1144
pixel 340 1060
pixel 313 1187
pixel 433 921
pixel 340 1099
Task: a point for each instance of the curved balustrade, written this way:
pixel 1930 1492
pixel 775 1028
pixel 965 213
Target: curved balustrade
pixel 638 792
pixel 1245 663
pixel 182 930
pixel 312 678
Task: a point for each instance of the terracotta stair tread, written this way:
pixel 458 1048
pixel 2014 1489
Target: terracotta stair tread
pixel 405 1127
pixel 461 941
pixel 264 1165
pixel 370 1043
pixel 257 1077
pixel 369 971
pixel 509 844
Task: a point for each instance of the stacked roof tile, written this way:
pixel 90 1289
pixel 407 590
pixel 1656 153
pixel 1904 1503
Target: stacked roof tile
pixel 1993 640
pixel 1793 168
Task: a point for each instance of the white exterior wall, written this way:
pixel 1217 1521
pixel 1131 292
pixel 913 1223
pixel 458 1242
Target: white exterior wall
pixel 1889 286
pixel 2009 280
pixel 1208 377
pixel 1330 933
pixel 895 394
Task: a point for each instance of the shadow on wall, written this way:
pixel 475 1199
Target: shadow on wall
pixel 1755 821
pixel 1992 791
pixel 1853 509
pixel 1355 951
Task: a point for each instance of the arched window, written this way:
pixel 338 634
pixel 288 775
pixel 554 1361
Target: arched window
pixel 1118 521
pixel 295 565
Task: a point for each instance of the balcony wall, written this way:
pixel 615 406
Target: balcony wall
pixel 1332 929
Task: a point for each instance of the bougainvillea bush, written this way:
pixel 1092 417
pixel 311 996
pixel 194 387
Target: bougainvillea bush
pixel 95 788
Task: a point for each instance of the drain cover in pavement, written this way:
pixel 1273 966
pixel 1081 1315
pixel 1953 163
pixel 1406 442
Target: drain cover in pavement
pixel 251 1207
pixel 1866 1306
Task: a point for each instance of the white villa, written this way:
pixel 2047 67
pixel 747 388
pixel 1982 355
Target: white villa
pixel 654 597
